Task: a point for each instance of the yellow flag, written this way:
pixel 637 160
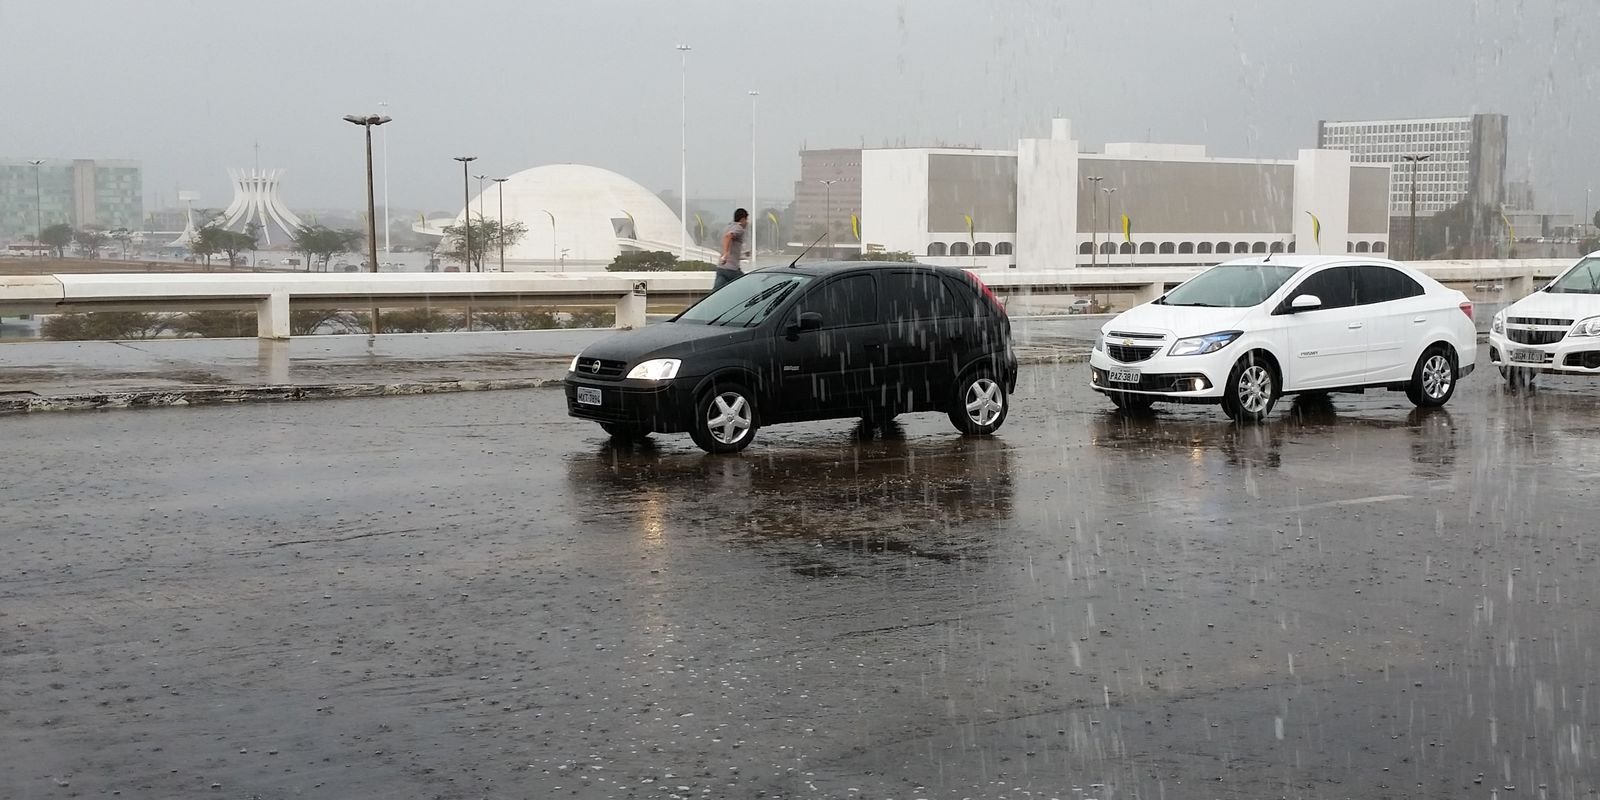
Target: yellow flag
pixel 1316 230
pixel 1509 226
pixel 699 228
pixel 855 226
pixel 970 234
pixel 774 218
pixel 1127 229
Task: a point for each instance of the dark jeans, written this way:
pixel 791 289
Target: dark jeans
pixel 725 277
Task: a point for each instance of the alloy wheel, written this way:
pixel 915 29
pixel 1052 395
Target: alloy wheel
pixel 728 418
pixel 984 401
pixel 1436 376
pixel 1255 389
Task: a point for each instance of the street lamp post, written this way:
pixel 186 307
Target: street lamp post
pixel 1109 191
pixel 683 157
pixel 827 211
pixel 366 122
pixel 466 207
pixel 754 226
pixel 387 252
pixel 1094 220
pixel 1412 251
pixel 553 256
pixel 500 183
pixel 38 209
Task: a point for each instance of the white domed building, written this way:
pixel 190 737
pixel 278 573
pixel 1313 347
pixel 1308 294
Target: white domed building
pixel 577 217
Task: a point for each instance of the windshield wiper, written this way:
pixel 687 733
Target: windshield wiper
pixel 1196 305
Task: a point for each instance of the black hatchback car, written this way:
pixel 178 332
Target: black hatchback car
pixel 806 342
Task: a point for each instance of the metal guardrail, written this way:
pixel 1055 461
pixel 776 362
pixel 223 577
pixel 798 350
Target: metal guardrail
pixel 273 294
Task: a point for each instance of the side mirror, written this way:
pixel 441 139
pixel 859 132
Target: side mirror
pixel 1305 302
pixel 808 321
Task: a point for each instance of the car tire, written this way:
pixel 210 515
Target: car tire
pixel 725 419
pixel 981 403
pixel 624 432
pixel 1434 378
pixel 1252 389
pixel 1131 403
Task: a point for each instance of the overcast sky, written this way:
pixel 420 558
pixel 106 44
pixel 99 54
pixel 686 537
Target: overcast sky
pixel 188 86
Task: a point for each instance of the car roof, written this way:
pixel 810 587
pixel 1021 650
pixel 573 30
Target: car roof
pixel 1307 262
pixel 820 268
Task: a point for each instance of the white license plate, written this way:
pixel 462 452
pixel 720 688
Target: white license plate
pixel 1522 356
pixel 1123 375
pixel 588 397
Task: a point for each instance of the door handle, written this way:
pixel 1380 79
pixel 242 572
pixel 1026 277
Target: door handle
pixel 1420 320
pixel 872 346
pixel 1356 325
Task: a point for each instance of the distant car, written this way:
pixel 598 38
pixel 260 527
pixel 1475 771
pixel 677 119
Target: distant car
pixel 1553 330
pixel 811 342
pixel 1082 305
pixel 1246 332
pixel 265 262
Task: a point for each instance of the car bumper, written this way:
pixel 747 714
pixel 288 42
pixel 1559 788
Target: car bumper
pixel 1193 378
pixel 1571 356
pixel 662 407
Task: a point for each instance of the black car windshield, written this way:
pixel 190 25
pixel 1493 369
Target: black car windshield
pixel 747 301
pixel 1231 286
pixel 1582 279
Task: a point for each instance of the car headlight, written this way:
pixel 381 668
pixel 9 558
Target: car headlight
pixel 1586 327
pixel 1499 323
pixel 1200 345
pixel 573 367
pixel 660 369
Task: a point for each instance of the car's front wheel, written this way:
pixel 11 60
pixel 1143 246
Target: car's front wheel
pixel 725 419
pixel 1251 391
pixel 1433 379
pixel 981 404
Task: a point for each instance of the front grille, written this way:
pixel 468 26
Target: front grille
pixel 608 369
pixel 1558 323
pixel 1154 383
pixel 1125 335
pixel 1129 354
pixel 1525 336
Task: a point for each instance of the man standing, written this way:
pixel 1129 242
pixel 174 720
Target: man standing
pixel 728 269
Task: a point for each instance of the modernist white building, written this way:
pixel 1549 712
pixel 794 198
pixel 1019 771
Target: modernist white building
pixel 577 217
pixel 256 201
pixel 1040 206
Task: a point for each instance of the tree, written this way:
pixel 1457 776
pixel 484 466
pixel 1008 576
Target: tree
pixel 528 319
pixel 207 242
pixel 319 243
pixel 121 236
pixel 486 236
pixel 888 255
pixel 57 237
pixel 643 261
pixel 104 326
pixel 88 242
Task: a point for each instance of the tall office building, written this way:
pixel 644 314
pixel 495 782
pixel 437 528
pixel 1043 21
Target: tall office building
pixel 78 192
pixel 829 191
pixel 1466 157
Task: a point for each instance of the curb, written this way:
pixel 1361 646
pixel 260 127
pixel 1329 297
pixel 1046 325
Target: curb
pixel 219 395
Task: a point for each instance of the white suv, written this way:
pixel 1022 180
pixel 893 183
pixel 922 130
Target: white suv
pixel 1556 329
pixel 1246 332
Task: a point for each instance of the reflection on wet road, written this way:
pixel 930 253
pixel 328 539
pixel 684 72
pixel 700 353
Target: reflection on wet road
pixel 471 596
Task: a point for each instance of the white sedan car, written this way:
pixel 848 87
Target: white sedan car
pixel 1556 329
pixel 1247 332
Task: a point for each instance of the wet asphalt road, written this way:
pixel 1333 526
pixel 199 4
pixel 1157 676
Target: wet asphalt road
pixel 471 596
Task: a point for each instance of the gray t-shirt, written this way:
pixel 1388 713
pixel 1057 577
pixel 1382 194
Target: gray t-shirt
pixel 735 247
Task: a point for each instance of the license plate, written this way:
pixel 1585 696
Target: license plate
pixel 1123 375
pixel 1522 356
pixel 588 397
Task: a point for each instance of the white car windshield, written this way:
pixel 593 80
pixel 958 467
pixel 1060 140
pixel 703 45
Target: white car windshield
pixel 1230 286
pixel 1582 279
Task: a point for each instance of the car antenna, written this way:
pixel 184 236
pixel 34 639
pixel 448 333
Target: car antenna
pixel 807 250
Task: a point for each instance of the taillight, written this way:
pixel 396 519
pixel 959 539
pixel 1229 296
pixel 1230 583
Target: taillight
pixel 1466 308
pixel 988 294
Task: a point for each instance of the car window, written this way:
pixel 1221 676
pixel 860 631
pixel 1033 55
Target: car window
pixel 968 304
pixel 1581 279
pixel 1231 286
pixel 1375 284
pixel 915 296
pixel 747 301
pixel 1335 287
pixel 851 300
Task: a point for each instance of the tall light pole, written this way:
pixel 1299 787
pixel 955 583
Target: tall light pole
pixel 553 257
pixel 1109 191
pixel 387 253
pixel 754 226
pixel 827 210
pixel 1412 252
pixel 482 220
pixel 38 209
pixel 1094 219
pixel 500 183
pixel 466 207
pixel 367 122
pixel 683 157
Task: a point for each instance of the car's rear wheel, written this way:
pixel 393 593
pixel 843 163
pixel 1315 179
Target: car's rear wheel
pixel 725 419
pixel 1433 379
pixel 981 403
pixel 1131 403
pixel 624 432
pixel 1252 389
